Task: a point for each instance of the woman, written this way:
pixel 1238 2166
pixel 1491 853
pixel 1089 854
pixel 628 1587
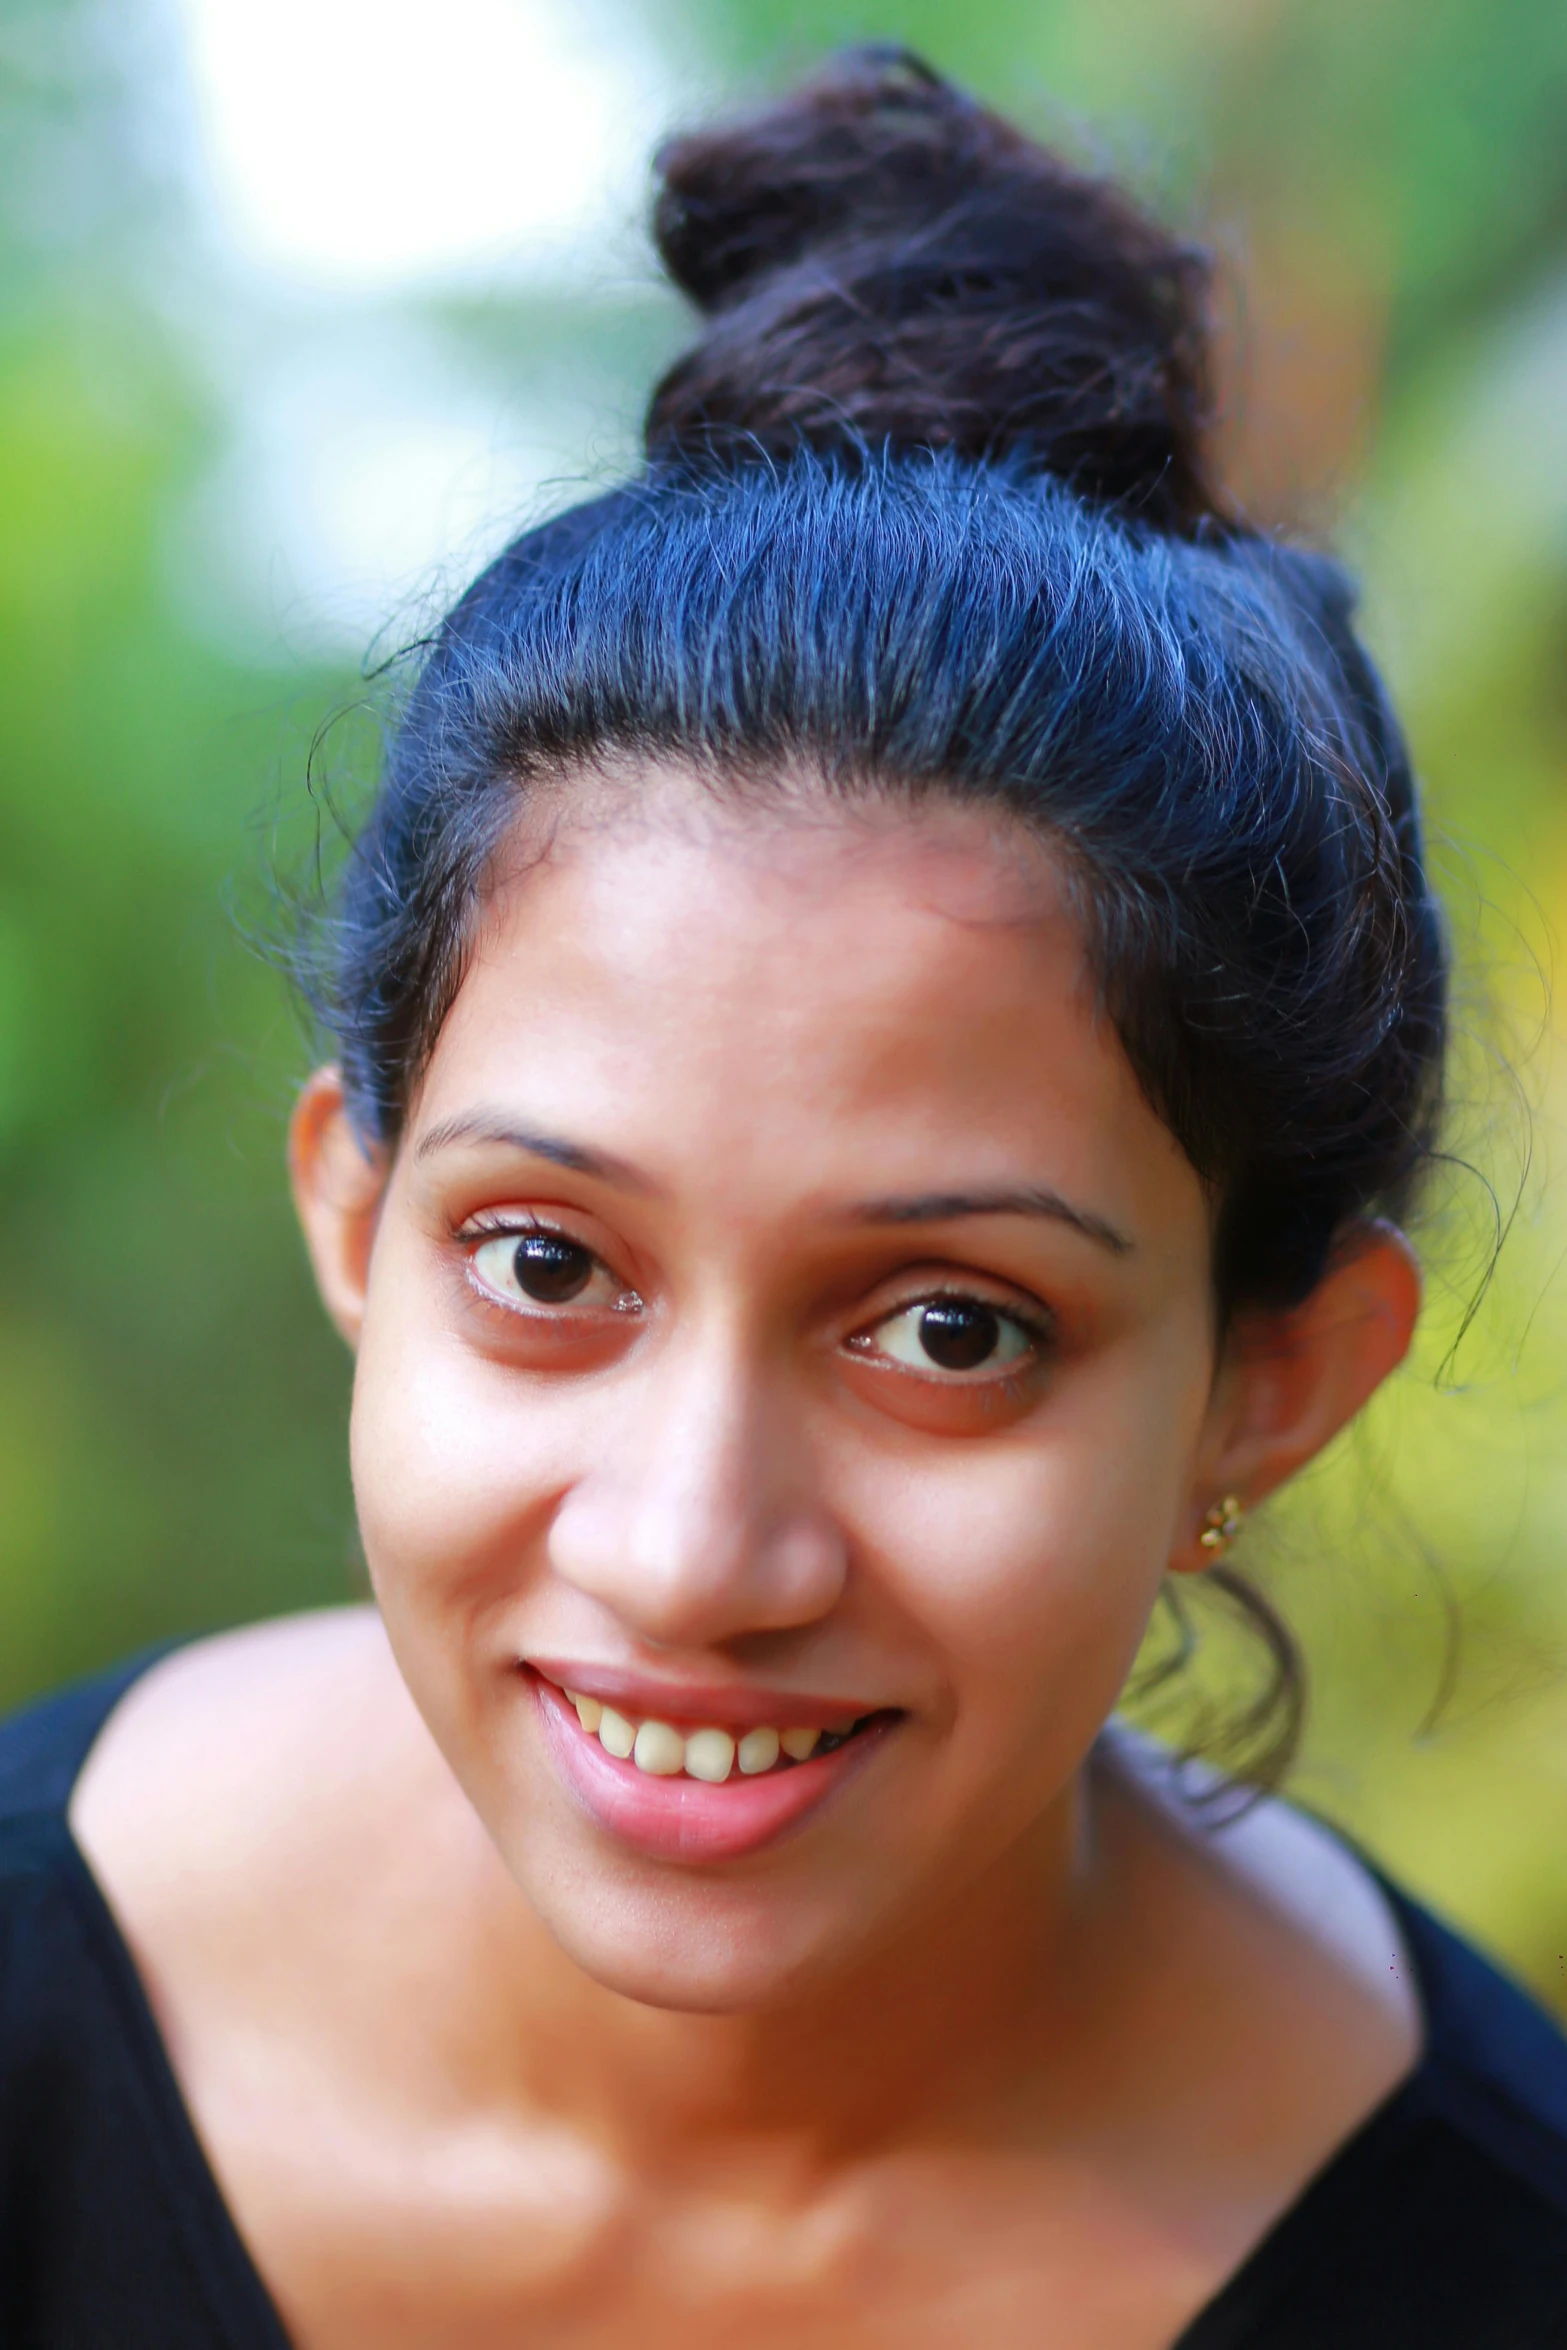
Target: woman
pixel 884 1013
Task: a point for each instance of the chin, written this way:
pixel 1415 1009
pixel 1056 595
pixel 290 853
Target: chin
pixel 697 1948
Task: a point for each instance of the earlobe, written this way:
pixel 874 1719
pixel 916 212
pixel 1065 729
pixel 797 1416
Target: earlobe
pixel 1293 1380
pixel 338 1187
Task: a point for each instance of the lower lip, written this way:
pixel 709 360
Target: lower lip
pixel 690 1819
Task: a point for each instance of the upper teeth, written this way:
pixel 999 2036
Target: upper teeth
pixel 663 1751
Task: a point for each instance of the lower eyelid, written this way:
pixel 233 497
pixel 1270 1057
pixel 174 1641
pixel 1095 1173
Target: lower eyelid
pixel 576 1310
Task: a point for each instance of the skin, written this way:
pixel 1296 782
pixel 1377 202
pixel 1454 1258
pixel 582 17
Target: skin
pixel 995 2038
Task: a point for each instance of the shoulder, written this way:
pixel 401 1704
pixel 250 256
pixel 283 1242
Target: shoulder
pixel 274 1829
pixel 179 1723
pixel 1492 2063
pixel 247 1761
pixel 1443 2221
pixel 1437 2212
pixel 1450 2014
pixel 1279 1913
pixel 256 1705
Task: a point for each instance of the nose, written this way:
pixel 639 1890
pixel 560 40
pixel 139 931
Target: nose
pixel 702 1523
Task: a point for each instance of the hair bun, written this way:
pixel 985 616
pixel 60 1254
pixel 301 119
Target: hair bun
pixel 881 259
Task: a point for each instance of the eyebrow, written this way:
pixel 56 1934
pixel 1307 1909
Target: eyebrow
pixel 926 1207
pixel 947 1207
pixel 480 1126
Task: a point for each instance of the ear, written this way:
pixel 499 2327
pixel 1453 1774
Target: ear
pixel 1288 1382
pixel 338 1189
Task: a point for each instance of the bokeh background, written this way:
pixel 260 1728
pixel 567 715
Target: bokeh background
pixel 304 309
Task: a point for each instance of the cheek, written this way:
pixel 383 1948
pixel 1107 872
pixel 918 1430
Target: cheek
pixel 452 1471
pixel 1031 1565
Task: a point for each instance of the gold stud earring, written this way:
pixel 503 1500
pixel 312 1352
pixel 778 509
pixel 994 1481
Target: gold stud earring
pixel 1222 1523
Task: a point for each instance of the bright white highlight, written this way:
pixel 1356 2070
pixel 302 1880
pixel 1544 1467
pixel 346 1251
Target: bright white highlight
pixel 365 482
pixel 375 143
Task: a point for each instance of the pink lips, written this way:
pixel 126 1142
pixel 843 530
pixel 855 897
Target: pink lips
pixel 686 1819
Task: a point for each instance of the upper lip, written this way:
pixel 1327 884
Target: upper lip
pixel 727 1705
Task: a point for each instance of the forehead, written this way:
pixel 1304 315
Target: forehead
pixel 797 996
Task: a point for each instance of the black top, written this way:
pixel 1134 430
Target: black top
pixel 1441 2224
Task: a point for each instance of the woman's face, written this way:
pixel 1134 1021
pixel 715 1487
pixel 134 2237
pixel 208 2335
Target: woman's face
pixel 785 1313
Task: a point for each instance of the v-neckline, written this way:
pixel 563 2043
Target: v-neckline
pixel 1232 2319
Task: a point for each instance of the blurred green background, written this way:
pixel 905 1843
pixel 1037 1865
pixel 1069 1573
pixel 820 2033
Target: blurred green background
pixel 302 310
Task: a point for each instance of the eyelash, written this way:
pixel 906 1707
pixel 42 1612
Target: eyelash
pixel 485 1226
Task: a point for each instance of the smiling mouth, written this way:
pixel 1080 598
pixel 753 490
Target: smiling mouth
pixel 664 1751
pixel 696 1790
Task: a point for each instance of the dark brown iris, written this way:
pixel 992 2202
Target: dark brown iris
pixel 550 1269
pixel 959 1334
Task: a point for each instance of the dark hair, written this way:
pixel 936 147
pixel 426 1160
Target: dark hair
pixel 927 510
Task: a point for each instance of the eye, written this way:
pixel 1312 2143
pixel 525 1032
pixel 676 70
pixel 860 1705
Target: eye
pixel 540 1268
pixel 953 1334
